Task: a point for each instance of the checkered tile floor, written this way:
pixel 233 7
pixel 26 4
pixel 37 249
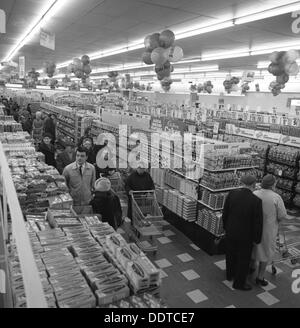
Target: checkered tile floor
pixel 192 278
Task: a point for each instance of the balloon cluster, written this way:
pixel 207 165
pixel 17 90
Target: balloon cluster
pixel 283 64
pixel 112 76
pixel 66 80
pixel 193 87
pixel 80 67
pixel 49 68
pixel 208 86
pixel 33 75
pixel 161 51
pixel 245 87
pixel 166 84
pixel 53 83
pixel 230 84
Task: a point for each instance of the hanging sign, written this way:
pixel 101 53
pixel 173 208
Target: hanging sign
pixel 47 39
pixel 2 21
pixel 244 132
pixel 21 67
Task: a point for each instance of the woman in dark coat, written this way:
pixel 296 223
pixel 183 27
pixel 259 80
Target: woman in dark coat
pixel 107 203
pixel 48 149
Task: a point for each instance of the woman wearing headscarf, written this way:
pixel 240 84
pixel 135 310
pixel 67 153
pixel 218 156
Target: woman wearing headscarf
pixel 273 212
pixel 107 203
pixel 37 127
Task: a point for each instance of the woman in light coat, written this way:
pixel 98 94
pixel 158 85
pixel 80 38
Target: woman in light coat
pixel 273 212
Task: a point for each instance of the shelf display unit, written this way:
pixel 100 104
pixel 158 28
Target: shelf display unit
pixel 71 122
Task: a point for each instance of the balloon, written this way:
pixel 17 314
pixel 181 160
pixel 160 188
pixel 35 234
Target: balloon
pixel 152 41
pixel 276 69
pixel 78 74
pixel 209 89
pixel 175 54
pixel 291 68
pixel 85 59
pixel 146 57
pixel 71 68
pixel 172 68
pixel 87 69
pixel 159 56
pixel 282 78
pixel 290 56
pixel 273 56
pixel 166 39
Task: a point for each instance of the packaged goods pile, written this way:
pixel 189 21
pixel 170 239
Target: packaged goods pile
pixel 85 263
pixel 8 124
pixel 211 221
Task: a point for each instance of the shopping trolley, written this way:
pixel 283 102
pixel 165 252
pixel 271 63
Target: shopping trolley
pixel 286 251
pixel 146 219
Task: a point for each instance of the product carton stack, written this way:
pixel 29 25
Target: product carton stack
pixel 211 221
pixel 189 209
pixel 141 273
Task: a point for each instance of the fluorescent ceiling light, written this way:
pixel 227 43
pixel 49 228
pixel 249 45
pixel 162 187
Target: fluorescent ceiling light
pixel 52 7
pixel 9 85
pixel 285 9
pixel 223 55
pixel 187 61
pixel 43 87
pixel 205 29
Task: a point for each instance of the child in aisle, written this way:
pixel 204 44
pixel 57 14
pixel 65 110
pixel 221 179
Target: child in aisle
pixel 107 203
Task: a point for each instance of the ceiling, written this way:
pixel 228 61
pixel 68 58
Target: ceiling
pixel 94 25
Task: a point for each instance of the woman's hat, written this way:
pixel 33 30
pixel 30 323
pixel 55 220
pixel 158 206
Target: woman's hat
pixel 268 181
pixel 102 184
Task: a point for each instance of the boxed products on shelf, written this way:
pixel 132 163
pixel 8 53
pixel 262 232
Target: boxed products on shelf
pixel 211 221
pixel 284 155
pixel 220 161
pixel 220 180
pixel 281 170
pixel 213 200
pixel 144 301
pixel 285 184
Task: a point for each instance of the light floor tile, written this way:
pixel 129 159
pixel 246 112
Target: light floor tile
pixel 268 298
pixel 269 269
pixel 197 296
pixel 164 240
pixel 190 274
pixel 230 307
pixel 196 248
pixel 228 284
pixel 185 257
pixel 221 264
pixel 163 263
pixel 163 274
pixel 269 287
pixel 127 220
pixel 169 233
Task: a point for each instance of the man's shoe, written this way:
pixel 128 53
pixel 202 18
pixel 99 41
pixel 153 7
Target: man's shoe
pixel 261 282
pixel 246 287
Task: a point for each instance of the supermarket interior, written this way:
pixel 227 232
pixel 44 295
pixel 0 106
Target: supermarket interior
pixel 149 154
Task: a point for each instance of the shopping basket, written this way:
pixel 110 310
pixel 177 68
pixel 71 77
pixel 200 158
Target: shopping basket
pixel 286 251
pixel 145 208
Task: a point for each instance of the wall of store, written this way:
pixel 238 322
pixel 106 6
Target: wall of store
pixel 180 94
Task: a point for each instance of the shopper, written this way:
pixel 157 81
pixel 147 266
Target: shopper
pixel 26 124
pixel 242 220
pixel 80 178
pixel 87 134
pixel 273 212
pixel 107 203
pixel 87 143
pixel 50 126
pixel 138 180
pixel 37 128
pixel 66 157
pixel 48 149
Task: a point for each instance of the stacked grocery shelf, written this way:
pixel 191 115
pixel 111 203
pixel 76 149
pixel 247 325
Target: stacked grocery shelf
pixel 223 169
pixel 71 123
pixel 283 162
pixel 8 124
